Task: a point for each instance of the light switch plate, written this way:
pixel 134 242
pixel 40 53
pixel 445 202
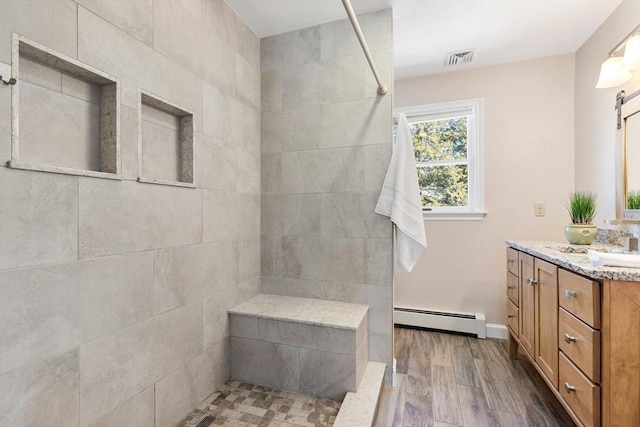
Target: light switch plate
pixel 538 209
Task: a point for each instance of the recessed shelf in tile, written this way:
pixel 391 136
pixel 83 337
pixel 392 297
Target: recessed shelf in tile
pixel 66 114
pixel 165 142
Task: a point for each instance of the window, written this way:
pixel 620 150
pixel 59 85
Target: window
pixel 448 148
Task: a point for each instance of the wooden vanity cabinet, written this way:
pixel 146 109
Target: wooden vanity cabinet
pixel 583 337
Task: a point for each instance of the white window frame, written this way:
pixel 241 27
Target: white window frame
pixel 473 109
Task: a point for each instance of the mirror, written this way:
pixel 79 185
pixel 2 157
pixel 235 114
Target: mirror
pixel 628 152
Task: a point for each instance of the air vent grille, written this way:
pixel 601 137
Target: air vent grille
pixel 457 58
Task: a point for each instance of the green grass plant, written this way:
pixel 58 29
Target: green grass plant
pixel 633 199
pixel 582 207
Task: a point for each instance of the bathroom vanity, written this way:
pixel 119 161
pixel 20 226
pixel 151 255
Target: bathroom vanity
pixel 580 326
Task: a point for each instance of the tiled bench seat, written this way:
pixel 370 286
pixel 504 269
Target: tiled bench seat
pixel 304 345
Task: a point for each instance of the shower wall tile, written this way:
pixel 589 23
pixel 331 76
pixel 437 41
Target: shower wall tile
pixel 323 171
pixel 215 319
pixel 247 290
pixel 133 17
pixel 308 336
pixel 376 159
pixel 44 394
pixel 229 215
pixel 160 152
pixel 137 411
pixel 361 122
pixel 326 374
pixel 129 142
pixel 269 364
pixel 248 259
pixel 40 74
pixel 248 170
pixel 177 337
pixel 296 129
pixel 241 124
pixel 52 23
pixel 378 261
pixel 119 217
pixel 243 326
pixel 331 81
pixel 271 90
pixel 339 39
pixel 187 273
pixel 109 49
pixel 320 289
pixel 213 111
pixel 271 173
pixel 350 215
pixel 291 214
pixel 290 49
pixel 219 18
pixel 46 310
pixel 113 369
pixel 271 257
pixel 216 163
pixel 323 258
pixel 184 389
pixel 58 143
pixel 248 81
pixel 38 220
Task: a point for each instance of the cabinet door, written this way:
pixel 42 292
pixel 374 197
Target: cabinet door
pixel 527 303
pixel 546 343
pixel 621 354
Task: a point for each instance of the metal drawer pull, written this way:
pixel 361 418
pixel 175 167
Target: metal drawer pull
pixel 509 316
pixel 532 281
pixel 569 339
pixel 569 388
pixel 570 294
pixel 511 287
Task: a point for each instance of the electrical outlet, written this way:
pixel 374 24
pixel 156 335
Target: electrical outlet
pixel 538 209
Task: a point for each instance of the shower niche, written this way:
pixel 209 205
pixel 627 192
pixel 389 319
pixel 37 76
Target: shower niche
pixel 65 114
pixel 165 142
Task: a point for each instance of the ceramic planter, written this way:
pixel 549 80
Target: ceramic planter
pixel 580 234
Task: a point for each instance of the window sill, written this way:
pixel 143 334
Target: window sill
pixel 453 216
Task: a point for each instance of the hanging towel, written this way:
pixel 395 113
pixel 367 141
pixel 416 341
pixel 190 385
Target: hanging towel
pixel 400 200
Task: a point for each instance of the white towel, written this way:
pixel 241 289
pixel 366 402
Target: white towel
pixel 614 260
pixel 400 200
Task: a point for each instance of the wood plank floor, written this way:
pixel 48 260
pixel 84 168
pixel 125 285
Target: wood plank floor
pixel 454 380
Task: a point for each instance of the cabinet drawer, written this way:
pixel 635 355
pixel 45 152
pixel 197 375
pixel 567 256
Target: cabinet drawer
pixel 512 288
pixel 512 317
pixel 581 344
pixel 580 296
pixel 512 261
pixel 579 393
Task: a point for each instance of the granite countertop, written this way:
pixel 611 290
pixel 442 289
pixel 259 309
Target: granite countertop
pixel 574 258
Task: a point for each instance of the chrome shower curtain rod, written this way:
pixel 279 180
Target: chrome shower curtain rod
pixel 382 89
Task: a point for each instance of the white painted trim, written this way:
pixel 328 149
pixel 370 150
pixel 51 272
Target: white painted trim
pixel 441 321
pixel 497 331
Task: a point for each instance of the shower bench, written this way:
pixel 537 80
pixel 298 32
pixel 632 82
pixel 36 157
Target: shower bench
pixel 304 345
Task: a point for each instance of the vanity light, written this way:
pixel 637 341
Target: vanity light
pixel 613 73
pixel 632 53
pixel 622 60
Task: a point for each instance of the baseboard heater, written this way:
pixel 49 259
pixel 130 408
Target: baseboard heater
pixel 474 324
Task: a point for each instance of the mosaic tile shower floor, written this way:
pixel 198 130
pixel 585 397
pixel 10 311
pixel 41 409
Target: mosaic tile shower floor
pixel 239 404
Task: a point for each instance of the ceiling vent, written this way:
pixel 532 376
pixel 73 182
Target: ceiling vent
pixel 457 58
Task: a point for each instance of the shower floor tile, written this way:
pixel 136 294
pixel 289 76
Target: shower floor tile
pixel 239 404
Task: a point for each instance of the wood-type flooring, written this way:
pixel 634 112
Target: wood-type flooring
pixel 448 380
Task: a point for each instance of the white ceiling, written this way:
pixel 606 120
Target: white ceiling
pixel 425 31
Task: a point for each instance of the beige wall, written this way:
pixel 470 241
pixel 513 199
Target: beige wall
pixel 114 293
pixel 528 157
pixel 595 118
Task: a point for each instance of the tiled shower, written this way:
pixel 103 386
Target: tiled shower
pixel 114 292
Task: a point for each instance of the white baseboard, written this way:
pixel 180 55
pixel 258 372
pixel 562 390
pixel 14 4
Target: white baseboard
pixel 497 331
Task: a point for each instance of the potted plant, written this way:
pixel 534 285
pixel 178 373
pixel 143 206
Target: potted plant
pixel 633 205
pixel 582 210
